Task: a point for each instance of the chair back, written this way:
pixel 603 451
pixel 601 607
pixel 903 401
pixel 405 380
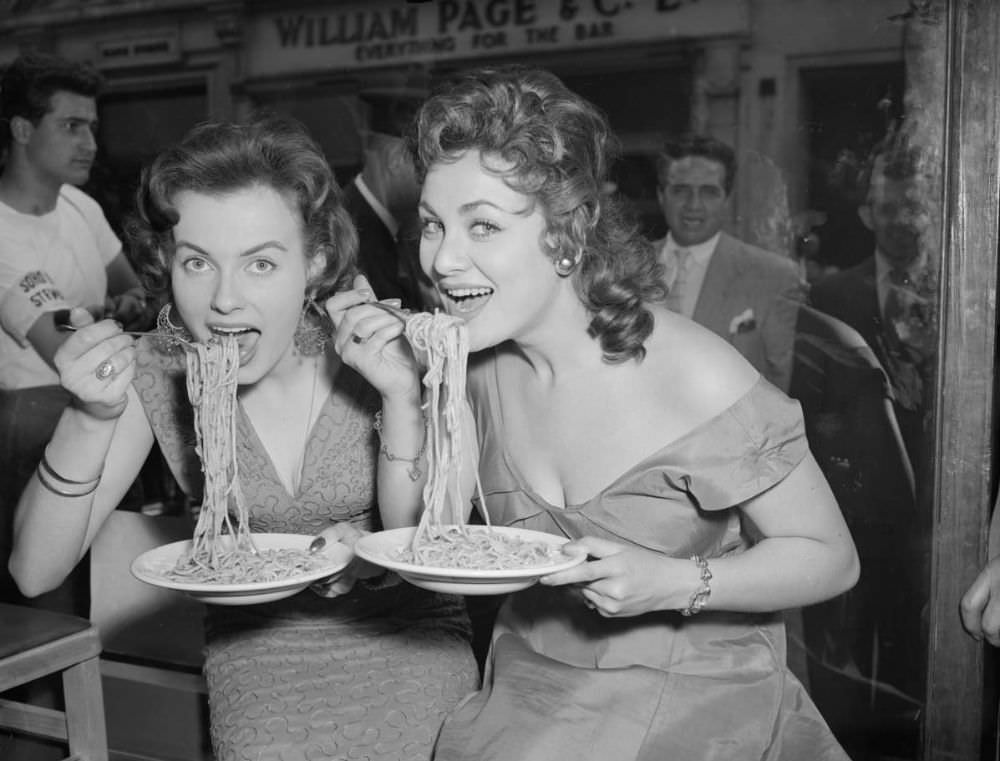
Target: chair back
pixel 36 644
pixel 846 400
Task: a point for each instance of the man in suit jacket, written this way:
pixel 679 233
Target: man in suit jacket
pixel 382 200
pixel 743 293
pixel 852 295
pixel 888 297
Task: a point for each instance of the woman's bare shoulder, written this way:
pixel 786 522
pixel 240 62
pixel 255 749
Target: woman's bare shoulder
pixel 703 370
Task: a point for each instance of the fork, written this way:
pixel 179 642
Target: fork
pixel 403 315
pixel 62 323
pixel 61 318
pixel 397 312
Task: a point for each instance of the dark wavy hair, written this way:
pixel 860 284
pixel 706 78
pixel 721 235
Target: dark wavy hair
pixel 217 158
pixel 702 146
pixel 556 147
pixel 30 81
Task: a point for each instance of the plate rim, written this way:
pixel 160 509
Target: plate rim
pixel 461 575
pixel 230 589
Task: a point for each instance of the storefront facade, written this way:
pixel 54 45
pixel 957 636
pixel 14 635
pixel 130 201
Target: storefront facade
pixel 747 71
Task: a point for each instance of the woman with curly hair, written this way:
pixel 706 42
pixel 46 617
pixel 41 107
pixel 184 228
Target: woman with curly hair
pixel 682 475
pixel 242 230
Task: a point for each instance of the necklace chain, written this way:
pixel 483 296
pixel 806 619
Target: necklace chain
pixel 297 475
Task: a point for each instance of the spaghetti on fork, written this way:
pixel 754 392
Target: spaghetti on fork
pixel 442 538
pixel 222 550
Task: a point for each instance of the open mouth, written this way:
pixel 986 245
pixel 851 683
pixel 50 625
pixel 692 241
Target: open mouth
pixel 466 300
pixel 245 337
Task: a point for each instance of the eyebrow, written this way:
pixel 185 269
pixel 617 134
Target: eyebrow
pixel 471 206
pixel 249 252
pixel 76 120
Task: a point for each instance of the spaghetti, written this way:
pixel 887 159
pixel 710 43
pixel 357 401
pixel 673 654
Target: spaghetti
pixel 222 550
pixel 442 539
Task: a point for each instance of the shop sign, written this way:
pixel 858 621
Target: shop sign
pixel 395 32
pixel 156 48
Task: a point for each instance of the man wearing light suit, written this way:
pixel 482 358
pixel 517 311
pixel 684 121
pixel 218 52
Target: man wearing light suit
pixel 743 293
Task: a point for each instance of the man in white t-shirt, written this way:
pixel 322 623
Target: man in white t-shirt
pixel 57 251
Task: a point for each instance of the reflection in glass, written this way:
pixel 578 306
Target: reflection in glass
pixel 865 364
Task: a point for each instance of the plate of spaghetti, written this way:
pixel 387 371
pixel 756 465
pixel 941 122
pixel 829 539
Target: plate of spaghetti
pixel 468 560
pixel 278 566
pixel 443 553
pixel 224 563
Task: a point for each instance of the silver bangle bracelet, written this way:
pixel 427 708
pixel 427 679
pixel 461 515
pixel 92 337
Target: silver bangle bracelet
pixel 46 482
pixel 53 475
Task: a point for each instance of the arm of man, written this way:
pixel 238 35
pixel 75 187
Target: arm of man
pixel 980 606
pixel 28 300
pixel 45 337
pixel 126 300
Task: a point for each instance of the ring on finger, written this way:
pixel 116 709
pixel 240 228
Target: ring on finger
pixel 357 339
pixel 105 370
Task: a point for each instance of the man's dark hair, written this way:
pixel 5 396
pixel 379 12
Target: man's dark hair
pixel 30 81
pixel 703 146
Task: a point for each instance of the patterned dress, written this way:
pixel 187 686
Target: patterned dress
pixel 565 683
pixel 367 676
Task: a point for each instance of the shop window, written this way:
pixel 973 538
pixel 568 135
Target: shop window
pixel 134 127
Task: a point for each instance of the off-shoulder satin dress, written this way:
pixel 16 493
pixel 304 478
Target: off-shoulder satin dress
pixel 365 676
pixel 564 683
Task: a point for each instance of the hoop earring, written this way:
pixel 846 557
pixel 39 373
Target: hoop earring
pixel 170 335
pixel 565 265
pixel 312 333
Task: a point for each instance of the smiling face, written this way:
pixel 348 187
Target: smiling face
pixel 240 268
pixel 897 214
pixel 62 146
pixel 693 199
pixel 481 245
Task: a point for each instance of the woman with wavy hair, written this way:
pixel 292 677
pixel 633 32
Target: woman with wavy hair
pixel 682 475
pixel 241 229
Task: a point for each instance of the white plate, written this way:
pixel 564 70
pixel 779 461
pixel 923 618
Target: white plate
pixel 152 566
pixel 381 548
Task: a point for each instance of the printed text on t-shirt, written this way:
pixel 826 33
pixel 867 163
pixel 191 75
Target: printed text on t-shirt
pixel 41 287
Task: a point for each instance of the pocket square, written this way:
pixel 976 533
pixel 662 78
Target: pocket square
pixel 744 322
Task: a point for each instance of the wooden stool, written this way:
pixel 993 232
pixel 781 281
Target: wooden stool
pixel 35 643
